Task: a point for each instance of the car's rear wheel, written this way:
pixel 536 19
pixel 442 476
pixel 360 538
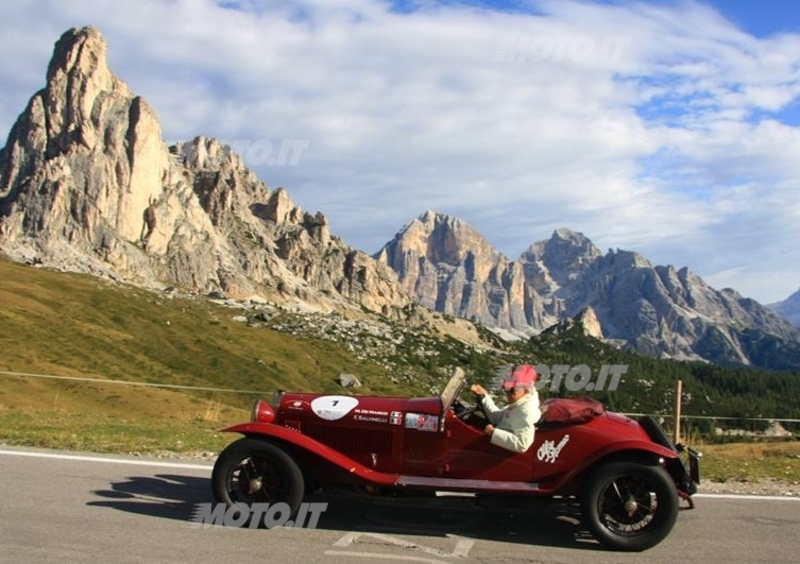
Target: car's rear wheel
pixel 629 505
pixel 253 471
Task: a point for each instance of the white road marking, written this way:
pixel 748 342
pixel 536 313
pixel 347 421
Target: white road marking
pixel 461 549
pixel 380 555
pixel 748 496
pixel 80 458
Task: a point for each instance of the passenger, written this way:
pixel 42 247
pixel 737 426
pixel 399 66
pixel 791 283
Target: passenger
pixel 512 426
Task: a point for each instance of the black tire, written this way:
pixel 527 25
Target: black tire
pixel 252 471
pixel 629 506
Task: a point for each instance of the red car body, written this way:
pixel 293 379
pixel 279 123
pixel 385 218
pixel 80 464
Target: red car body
pixel 398 444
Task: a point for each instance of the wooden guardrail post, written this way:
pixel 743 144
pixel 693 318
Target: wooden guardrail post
pixel 678 395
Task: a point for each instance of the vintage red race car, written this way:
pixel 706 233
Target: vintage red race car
pixel 625 474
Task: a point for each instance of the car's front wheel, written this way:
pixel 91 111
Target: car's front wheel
pixel 629 505
pixel 253 471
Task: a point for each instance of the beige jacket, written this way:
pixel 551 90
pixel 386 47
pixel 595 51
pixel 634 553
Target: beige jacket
pixel 514 423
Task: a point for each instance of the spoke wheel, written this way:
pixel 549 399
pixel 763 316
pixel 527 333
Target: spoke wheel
pixel 630 506
pixel 252 471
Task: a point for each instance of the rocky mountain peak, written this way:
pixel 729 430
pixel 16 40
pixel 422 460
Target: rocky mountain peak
pixel 440 238
pixel 449 266
pixel 88 184
pixel 80 50
pixel 565 248
pixel 574 237
pixel 85 158
pixel 78 74
pixel 431 218
pixel 555 262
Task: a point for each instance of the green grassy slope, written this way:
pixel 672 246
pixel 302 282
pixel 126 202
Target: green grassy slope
pixel 79 326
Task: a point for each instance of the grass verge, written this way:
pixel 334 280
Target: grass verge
pixel 744 462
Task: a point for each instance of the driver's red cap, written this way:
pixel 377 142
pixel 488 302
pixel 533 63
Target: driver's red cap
pixel 522 376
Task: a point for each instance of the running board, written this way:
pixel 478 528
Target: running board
pixel 453 484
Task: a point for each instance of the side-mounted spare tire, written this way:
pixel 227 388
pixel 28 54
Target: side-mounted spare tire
pixel 629 505
pixel 252 471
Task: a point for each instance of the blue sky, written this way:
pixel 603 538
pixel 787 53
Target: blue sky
pixel 671 128
pixel 761 18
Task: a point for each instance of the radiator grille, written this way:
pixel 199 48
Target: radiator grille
pixel 351 439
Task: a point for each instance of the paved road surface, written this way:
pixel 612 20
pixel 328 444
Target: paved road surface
pixel 63 507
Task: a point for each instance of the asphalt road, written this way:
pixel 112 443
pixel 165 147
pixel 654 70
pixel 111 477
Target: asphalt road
pixel 64 507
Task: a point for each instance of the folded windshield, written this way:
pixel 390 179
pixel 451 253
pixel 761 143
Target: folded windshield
pixel 454 386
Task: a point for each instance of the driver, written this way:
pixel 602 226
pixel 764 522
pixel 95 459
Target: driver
pixel 512 426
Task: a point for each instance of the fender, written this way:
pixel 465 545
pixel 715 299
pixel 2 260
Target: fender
pixel 306 443
pixel 625 446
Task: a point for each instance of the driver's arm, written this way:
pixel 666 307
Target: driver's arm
pixel 493 413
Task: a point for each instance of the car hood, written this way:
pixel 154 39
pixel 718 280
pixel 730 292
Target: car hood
pixel 353 408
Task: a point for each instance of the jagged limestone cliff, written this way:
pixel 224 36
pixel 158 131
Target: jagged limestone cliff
pixel 88 184
pixel 448 266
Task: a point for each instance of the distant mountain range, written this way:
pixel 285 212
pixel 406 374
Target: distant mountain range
pixel 789 308
pixel 658 310
pixel 87 184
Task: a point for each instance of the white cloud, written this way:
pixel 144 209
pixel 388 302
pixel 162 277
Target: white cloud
pixel 649 127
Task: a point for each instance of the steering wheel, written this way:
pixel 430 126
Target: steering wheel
pixel 463 411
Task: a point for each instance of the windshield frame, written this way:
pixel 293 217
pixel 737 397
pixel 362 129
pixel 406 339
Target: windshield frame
pixel 451 390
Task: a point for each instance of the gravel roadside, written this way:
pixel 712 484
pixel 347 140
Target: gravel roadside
pixel 752 487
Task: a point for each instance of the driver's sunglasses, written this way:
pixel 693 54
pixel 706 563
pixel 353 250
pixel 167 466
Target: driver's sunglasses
pixel 509 389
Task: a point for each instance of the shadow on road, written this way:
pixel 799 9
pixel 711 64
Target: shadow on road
pixel 170 496
pixel 541 524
